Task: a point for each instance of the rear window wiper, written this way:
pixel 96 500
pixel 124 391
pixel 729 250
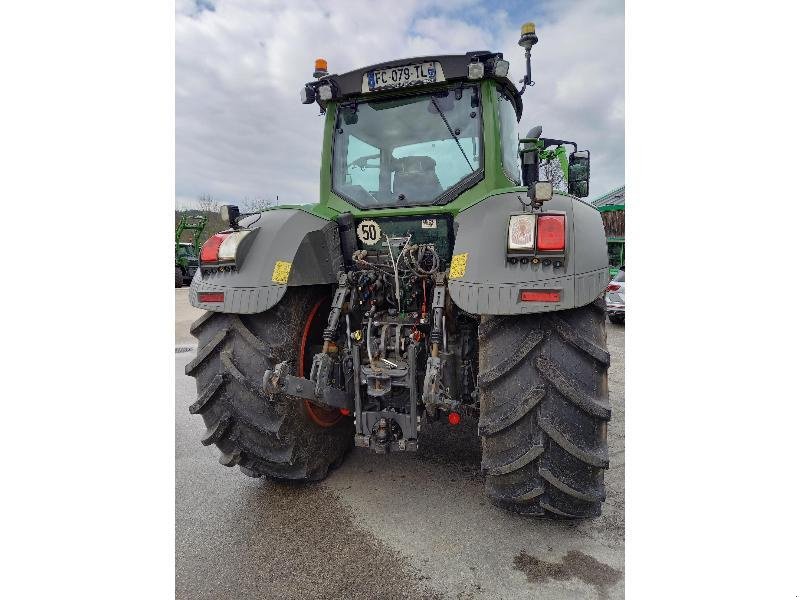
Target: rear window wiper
pixel 453 135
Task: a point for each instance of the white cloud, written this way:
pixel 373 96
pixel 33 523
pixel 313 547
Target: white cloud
pixel 242 132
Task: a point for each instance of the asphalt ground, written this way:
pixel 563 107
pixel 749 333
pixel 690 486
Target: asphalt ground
pixel 413 525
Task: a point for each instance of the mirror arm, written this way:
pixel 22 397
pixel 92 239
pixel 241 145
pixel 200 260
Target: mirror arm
pixel 562 159
pixel 550 142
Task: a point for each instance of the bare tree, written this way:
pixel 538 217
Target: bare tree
pixel 207 203
pixel 256 204
pixel 550 170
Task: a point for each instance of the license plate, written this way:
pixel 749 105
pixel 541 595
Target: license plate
pixel 405 76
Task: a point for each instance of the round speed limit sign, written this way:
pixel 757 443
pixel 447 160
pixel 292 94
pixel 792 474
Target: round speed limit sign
pixel 369 232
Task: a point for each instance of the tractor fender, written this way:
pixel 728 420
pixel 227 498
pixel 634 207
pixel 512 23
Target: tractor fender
pixel 488 284
pixel 283 239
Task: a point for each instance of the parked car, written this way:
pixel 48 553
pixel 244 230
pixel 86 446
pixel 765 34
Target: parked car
pixel 615 298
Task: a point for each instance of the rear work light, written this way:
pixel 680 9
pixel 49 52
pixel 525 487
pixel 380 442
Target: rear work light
pixel 211 297
pixel 550 233
pixel 221 247
pixel 540 296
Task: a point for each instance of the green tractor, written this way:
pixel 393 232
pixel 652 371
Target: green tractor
pixel 187 253
pixel 437 278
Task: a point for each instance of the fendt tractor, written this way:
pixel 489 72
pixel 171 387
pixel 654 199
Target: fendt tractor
pixel 186 261
pixel 437 278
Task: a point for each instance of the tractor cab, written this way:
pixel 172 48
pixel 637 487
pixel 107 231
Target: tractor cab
pixel 417 132
pixel 431 131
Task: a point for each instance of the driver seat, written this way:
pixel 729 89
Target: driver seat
pixel 415 178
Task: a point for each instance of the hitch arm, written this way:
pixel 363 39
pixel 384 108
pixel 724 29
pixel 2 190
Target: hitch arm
pixel 278 381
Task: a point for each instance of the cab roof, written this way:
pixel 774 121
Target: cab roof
pixel 454 68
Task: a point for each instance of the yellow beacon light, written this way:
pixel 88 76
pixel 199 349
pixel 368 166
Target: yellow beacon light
pixel 528 38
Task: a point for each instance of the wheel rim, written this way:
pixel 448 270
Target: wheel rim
pixel 324 417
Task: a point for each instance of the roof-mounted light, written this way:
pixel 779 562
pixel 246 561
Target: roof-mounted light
pixel 475 70
pixel 501 68
pixel 325 92
pixel 307 94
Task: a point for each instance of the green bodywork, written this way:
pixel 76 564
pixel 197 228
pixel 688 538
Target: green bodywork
pixel 195 224
pixel 494 182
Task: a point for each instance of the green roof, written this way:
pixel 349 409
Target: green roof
pixel 613 198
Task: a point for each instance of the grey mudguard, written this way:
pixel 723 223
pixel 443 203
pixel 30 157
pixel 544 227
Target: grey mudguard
pixel 309 243
pixel 491 285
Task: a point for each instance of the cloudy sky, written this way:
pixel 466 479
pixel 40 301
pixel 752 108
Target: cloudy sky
pixel 241 131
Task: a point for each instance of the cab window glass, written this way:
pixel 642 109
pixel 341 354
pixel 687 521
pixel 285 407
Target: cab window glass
pixel 365 164
pixel 509 137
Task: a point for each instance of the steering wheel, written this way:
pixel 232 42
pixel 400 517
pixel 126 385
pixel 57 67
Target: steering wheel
pixel 361 162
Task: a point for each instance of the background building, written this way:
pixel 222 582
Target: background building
pixel 612 209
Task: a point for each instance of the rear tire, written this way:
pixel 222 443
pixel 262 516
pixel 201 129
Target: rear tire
pixel 178 277
pixel 278 438
pixel 543 382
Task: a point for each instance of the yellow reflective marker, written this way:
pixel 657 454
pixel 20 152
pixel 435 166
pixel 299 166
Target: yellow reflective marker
pixel 281 272
pixel 458 266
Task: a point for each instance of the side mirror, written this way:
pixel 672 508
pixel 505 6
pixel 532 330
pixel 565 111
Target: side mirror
pixel 578 184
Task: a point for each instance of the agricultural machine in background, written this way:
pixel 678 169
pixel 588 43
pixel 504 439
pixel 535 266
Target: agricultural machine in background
pixel 187 253
pixel 437 278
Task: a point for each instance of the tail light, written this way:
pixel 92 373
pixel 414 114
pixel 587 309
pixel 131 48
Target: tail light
pixel 221 247
pixel 210 250
pixel 521 232
pixel 613 287
pixel 550 233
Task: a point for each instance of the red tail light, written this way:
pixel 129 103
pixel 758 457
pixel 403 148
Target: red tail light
pixel 612 287
pixel 550 232
pixel 210 250
pixel 540 296
pixel 454 418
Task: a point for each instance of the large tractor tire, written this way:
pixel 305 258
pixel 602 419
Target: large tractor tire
pixel 543 382
pixel 178 277
pixel 280 437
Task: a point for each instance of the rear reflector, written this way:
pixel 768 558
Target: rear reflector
pixel 211 297
pixel 540 296
pixel 210 250
pixel 613 287
pixel 550 232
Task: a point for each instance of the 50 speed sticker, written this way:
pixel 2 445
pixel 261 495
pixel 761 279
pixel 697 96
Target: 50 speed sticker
pixel 369 232
pixel 458 266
